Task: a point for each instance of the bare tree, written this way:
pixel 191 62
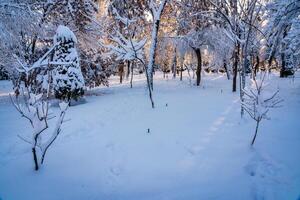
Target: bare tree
pixel 257 103
pixel 34 104
pixel 127 48
pixel 36 111
pixel 156 11
pixel 130 49
pixel 35 108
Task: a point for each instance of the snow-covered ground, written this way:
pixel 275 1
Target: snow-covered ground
pixel 198 146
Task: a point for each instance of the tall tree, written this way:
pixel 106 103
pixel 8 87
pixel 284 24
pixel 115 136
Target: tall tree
pixel 156 10
pixel 281 15
pixel 196 27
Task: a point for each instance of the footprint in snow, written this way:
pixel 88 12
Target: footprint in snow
pixel 265 177
pixel 116 159
pixel 114 166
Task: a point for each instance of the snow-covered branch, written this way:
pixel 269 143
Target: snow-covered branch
pixel 257 102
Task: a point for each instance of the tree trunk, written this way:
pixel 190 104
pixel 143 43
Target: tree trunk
pixel 36 165
pixel 256 67
pixel 226 70
pixel 156 14
pixel 174 64
pixel 33 47
pixel 199 66
pixel 181 69
pixel 237 47
pixel 128 69
pixel 150 90
pixel 283 48
pixel 153 52
pixel 256 130
pixel 131 79
pixel 235 67
pixel 283 64
pixel 121 71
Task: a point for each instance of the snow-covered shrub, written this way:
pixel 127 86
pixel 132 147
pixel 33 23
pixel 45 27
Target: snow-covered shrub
pixel 34 104
pixel 95 69
pixel 3 73
pixel 67 77
pixel 36 110
pixel 258 101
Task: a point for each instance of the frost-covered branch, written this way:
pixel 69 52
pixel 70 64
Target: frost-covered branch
pixel 126 49
pixel 257 102
pixel 63 108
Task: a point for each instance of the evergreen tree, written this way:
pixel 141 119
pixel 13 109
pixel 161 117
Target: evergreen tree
pixel 84 18
pixel 67 78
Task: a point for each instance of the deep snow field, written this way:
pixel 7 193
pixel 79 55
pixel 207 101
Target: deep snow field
pixel 198 147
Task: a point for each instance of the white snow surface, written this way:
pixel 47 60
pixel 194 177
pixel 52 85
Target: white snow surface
pixel 198 146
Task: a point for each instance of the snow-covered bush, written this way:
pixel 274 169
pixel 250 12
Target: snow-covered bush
pixel 36 110
pixel 34 104
pixel 67 77
pixel 258 101
pixel 95 69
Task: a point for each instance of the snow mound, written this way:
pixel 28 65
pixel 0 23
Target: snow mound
pixel 64 34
